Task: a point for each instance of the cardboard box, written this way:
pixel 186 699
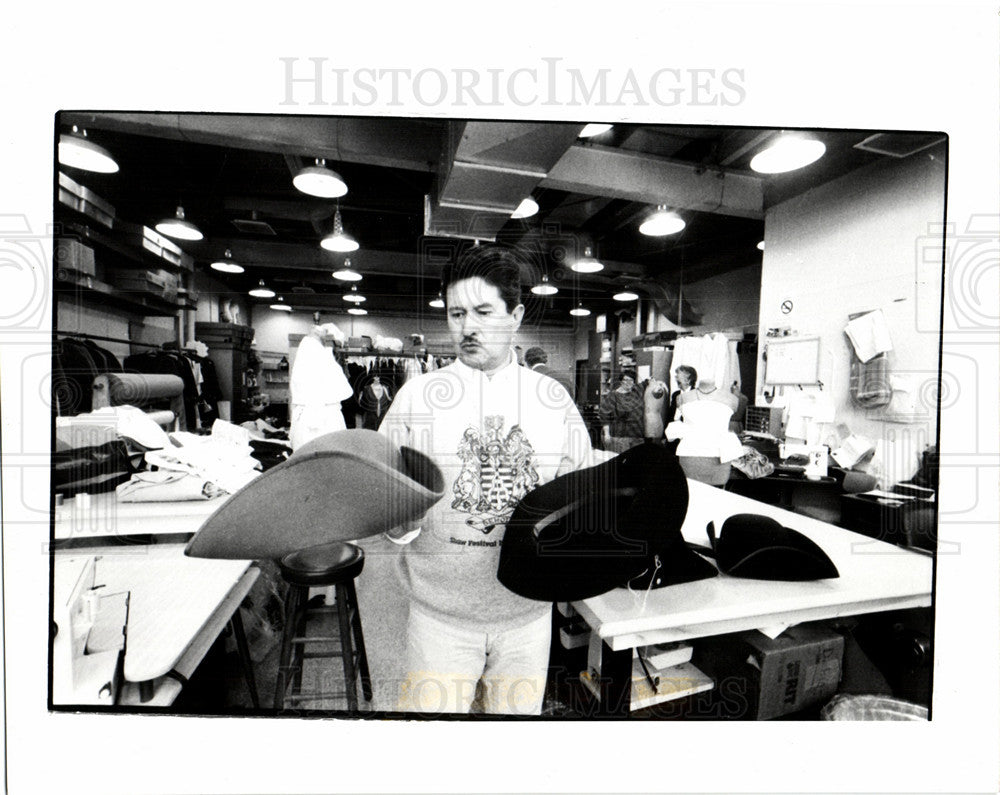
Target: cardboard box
pixel 798 669
pixel 72 255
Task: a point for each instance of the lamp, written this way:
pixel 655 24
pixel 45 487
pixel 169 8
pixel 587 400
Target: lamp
pixel 662 222
pixel 354 296
pixel 436 303
pixel 357 310
pixel 760 246
pixel 77 152
pixel 339 240
pixel 590 130
pixel 280 305
pixel 544 288
pixel 587 263
pixel 527 208
pixel 318 180
pixel 579 311
pixel 346 273
pixel 227 265
pixel 626 295
pixel 178 227
pixel 262 291
pixel 788 153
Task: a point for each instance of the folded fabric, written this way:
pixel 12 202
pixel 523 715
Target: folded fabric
pixel 164 486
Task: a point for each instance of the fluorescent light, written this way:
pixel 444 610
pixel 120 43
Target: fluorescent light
pixel 262 291
pixel 525 209
pixel 544 288
pixel 587 263
pixel 339 241
pixel 281 306
pixel 227 265
pixel 760 245
pixel 626 295
pixel 357 310
pixel 662 222
pixel 787 154
pixel 594 129
pixel 318 180
pixel 179 228
pixel 347 273
pixel 76 151
pixel 579 311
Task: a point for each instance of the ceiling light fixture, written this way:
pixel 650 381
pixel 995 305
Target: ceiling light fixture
pixel 760 246
pixel 347 273
pixel 318 180
pixel 280 305
pixel 357 310
pixel 436 303
pixel 354 296
pixel 788 153
pixel 662 222
pixel 227 265
pixel 262 291
pixel 587 263
pixel 527 208
pixel 544 288
pixel 178 227
pixel 594 129
pixel 579 311
pixel 626 295
pixel 339 240
pixel 76 151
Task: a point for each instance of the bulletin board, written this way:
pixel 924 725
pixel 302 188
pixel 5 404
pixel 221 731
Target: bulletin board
pixel 792 360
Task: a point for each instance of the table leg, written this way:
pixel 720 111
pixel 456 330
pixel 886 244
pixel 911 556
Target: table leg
pixel 616 681
pixel 244 650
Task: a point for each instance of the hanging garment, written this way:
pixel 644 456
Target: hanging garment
pixel 317 385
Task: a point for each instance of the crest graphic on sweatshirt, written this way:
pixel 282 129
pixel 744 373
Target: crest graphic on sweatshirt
pixel 497 471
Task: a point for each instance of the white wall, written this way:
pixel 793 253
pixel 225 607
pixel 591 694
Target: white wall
pixel 854 245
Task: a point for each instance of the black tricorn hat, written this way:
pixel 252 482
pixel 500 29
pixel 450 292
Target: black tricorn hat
pixel 599 528
pixel 761 548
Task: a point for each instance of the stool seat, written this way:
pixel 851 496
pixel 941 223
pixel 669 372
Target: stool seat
pixel 326 564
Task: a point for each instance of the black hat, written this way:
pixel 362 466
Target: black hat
pixel 760 548
pixel 599 528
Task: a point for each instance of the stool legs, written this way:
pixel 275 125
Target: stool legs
pixel 359 644
pixel 295 636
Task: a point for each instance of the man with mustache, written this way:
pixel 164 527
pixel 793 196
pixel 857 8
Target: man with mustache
pixel 496 430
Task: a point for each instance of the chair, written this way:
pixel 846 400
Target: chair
pixel 323 566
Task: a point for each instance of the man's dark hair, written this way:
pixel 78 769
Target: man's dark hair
pixel 534 356
pixel 496 264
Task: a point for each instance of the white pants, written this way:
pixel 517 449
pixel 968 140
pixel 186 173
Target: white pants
pixel 446 662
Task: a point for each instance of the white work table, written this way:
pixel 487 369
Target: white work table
pixel 177 605
pixel 874 576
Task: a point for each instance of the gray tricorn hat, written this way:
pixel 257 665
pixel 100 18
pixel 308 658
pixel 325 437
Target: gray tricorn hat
pixel 338 487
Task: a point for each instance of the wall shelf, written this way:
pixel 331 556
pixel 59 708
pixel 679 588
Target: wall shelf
pixel 71 283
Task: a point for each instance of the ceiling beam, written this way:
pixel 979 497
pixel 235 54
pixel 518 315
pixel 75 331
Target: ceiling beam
pixel 592 169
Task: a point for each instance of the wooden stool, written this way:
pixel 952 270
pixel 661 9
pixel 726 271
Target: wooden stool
pixel 322 566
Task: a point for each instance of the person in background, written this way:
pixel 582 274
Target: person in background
pixel 736 423
pixel 686 377
pixel 482 422
pixel 622 413
pixel 537 359
pixel 375 401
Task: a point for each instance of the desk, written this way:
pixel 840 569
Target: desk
pixel 874 576
pixel 178 605
pixel 103 517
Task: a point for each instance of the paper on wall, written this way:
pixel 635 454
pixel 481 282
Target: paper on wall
pixel 852 450
pixel 869 334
